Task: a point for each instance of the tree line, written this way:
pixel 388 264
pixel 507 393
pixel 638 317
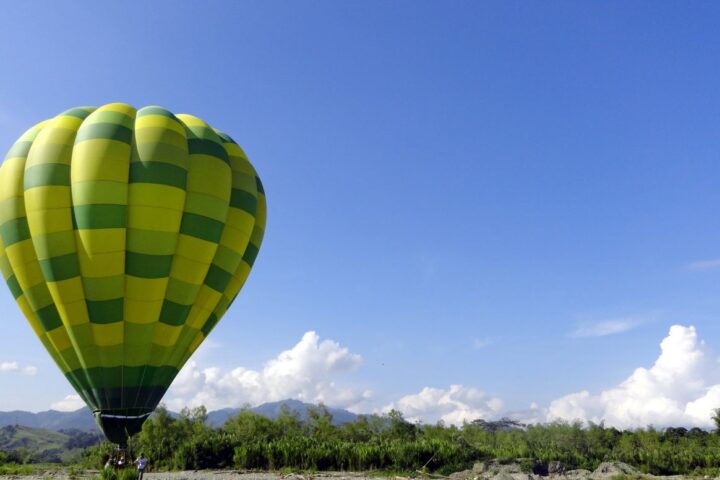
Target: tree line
pixel 390 443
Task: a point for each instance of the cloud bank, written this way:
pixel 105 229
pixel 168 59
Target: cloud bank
pixel 681 388
pixel 15 367
pixel 306 372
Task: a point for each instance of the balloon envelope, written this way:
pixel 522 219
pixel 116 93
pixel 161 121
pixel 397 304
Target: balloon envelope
pixel 125 235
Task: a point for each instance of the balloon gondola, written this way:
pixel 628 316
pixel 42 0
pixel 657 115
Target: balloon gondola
pixel 125 235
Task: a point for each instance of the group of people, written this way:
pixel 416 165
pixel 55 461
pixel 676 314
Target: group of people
pixel 121 462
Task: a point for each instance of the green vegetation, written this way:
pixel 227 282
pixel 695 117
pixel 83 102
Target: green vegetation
pixel 250 441
pixel 389 443
pixel 23 445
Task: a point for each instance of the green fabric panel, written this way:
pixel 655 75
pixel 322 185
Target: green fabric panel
pixel 181 292
pixel 225 137
pixel 104 131
pixel 109 377
pixel 217 278
pixel 202 227
pixel 99 192
pixel 105 311
pixel 20 149
pixel 227 259
pixel 51 153
pixel 60 268
pixel 14 286
pixel 259 185
pixel 199 146
pixel 173 313
pixel 250 255
pixel 38 296
pixel 54 244
pixel 210 324
pixel 112 118
pixel 152 110
pixel 83 337
pixel 244 201
pixel 111 355
pixel 49 318
pixel 164 148
pixel 81 112
pixel 100 216
pixel 15 231
pixel 158 172
pixel 151 242
pixel 138 334
pixel 47 174
pixel 206 206
pixel 104 288
pixel 12 207
pixel 147 266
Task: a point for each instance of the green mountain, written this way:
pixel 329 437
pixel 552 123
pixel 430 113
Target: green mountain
pixel 44 446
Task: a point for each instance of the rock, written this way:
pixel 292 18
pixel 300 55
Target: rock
pixel 612 469
pixel 556 468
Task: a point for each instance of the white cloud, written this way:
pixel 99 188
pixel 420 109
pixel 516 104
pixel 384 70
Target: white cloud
pixel 306 372
pixel 15 367
pixel 453 406
pixel 704 264
pixel 68 404
pixel 606 327
pixel 681 388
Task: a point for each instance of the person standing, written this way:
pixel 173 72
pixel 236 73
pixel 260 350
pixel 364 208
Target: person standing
pixel 141 463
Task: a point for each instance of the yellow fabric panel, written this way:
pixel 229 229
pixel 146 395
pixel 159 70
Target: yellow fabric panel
pixel 188 270
pixel 145 289
pixel 69 122
pixel 104 240
pixel 11 180
pixel 11 208
pixel 234 238
pixel 99 192
pixel 68 291
pixel 203 307
pixel 38 296
pixel 101 264
pixel 159 121
pixel 108 333
pixel 119 107
pixel 28 272
pixel 47 197
pixel 74 313
pixel 153 218
pixel 59 338
pixel 191 120
pixel 145 312
pixel 156 195
pixel 42 222
pixel 52 136
pixel 27 310
pixel 196 249
pixel 209 175
pixel 166 335
pixel 100 159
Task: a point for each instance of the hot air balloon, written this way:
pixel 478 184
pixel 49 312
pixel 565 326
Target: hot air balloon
pixel 125 235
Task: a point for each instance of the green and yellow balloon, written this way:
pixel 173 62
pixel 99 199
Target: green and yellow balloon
pixel 125 235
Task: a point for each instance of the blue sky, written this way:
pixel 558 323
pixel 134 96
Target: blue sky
pixel 507 196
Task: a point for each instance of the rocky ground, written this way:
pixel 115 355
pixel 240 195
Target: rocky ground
pixel 481 471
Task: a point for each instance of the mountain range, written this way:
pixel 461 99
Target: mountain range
pixel 82 419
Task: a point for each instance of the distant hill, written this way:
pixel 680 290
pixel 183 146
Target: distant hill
pixel 82 419
pixel 50 420
pixel 44 445
pixel 273 410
